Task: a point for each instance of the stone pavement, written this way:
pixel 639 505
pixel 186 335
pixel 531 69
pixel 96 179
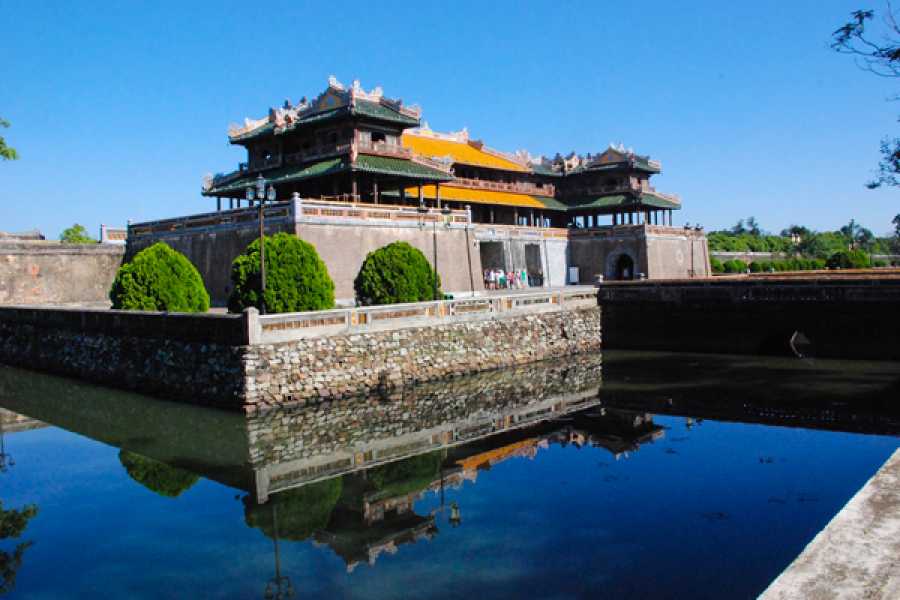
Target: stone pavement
pixel 858 554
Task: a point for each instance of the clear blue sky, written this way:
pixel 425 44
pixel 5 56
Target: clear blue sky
pixel 118 111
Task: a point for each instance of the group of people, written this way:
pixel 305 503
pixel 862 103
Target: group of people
pixel 498 279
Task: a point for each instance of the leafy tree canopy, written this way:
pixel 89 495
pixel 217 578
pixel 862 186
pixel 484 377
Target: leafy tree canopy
pixel 159 279
pixel 156 476
pixel 12 524
pixel 396 273
pixel 878 54
pixel 300 512
pixel 296 278
pixel 6 153
pixel 76 234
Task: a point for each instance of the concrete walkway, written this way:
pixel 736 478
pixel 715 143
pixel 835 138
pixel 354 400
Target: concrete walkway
pixel 858 554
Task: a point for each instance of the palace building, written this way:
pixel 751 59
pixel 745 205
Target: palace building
pixel 353 170
pixel 351 145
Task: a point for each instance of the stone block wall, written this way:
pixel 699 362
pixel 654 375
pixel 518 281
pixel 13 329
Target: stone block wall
pixel 213 359
pixel 336 366
pixel 195 358
pixel 40 272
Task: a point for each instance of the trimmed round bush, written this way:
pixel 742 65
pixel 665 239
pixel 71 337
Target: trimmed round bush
pixel 156 476
pixel 396 273
pixel 757 267
pixel 735 266
pixel 849 259
pixel 716 265
pixel 296 278
pixel 301 511
pixel 160 279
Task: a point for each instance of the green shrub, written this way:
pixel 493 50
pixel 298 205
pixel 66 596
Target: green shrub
pixel 758 267
pixel 396 273
pixel 296 278
pixel 156 476
pixel 301 511
pixel 76 234
pixel 849 259
pixel 735 266
pixel 879 263
pixel 716 265
pixel 159 278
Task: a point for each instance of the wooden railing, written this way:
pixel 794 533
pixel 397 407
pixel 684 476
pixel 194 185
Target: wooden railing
pixel 367 211
pixel 297 158
pixel 290 326
pixel 484 230
pixel 503 186
pixel 383 149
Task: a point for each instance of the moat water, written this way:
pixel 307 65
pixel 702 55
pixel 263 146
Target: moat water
pixel 632 476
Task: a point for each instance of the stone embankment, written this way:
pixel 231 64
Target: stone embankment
pixel 252 362
pixel 858 554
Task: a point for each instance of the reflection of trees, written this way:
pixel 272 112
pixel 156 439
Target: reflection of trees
pixel 301 512
pixel 12 524
pixel 403 477
pixel 157 477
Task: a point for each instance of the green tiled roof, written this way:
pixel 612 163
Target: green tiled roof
pixel 363 108
pixel 283 175
pixel 616 200
pixel 550 202
pixel 398 166
pixel 540 169
pixel 376 110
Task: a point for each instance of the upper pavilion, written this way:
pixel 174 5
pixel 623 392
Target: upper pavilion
pixel 354 145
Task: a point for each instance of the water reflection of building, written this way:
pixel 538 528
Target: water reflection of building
pixel 376 514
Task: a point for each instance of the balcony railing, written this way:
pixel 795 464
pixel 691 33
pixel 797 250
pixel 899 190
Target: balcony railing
pixel 303 156
pixel 291 326
pixel 521 187
pixel 383 149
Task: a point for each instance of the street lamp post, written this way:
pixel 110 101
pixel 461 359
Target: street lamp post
pixel 261 192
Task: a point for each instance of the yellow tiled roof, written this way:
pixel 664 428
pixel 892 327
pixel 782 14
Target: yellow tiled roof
pixel 461 152
pixel 477 196
pixel 496 455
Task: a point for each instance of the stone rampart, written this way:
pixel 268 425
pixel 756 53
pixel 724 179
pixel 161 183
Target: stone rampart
pixel 41 272
pixel 839 315
pixel 249 361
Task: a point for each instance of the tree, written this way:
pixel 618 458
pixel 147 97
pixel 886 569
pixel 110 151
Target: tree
pixel 849 259
pixel 156 476
pixel 296 277
pixel 883 59
pixel 6 153
pixel 160 279
pixel 12 525
pixel 396 273
pixel 300 512
pixel 76 234
pixel 896 222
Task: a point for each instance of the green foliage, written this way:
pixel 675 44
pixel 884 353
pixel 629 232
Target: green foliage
pixel 716 265
pixel 12 525
pixel 6 153
pixel 156 476
pixel 300 512
pixel 159 278
pixel 735 266
pixel 403 477
pixel 723 241
pixel 13 522
pixel 791 264
pixel 849 259
pixel 879 263
pixel 76 234
pixel 879 54
pixel 396 273
pixel 296 278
